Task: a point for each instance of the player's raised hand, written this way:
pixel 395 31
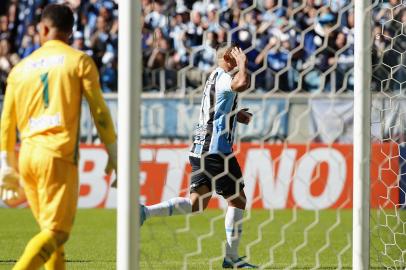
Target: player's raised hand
pixel 239 56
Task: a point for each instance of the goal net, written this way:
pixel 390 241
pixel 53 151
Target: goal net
pixel 297 153
pixel 388 235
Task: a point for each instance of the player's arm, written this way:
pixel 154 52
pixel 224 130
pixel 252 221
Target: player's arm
pixel 9 179
pixel 240 81
pixel 8 122
pixel 99 110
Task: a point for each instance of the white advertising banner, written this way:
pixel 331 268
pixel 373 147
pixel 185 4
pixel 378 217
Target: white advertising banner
pixel 331 120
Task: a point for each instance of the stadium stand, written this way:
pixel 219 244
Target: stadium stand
pixel 292 45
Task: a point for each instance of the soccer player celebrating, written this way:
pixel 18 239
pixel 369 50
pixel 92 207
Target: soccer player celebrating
pixel 211 156
pixel 43 101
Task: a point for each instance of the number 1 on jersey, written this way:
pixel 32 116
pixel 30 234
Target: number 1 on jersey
pixel 45 94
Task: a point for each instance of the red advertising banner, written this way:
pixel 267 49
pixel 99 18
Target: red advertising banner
pixel 278 176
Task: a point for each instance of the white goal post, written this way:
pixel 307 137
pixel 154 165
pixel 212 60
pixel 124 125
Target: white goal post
pixel 129 98
pixel 362 135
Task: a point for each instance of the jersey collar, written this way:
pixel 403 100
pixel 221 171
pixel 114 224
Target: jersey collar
pixel 53 42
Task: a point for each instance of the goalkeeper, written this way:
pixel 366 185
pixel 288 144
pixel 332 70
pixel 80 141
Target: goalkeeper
pixel 214 165
pixel 43 101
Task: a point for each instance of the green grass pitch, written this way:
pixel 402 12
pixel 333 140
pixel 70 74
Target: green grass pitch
pixel 274 239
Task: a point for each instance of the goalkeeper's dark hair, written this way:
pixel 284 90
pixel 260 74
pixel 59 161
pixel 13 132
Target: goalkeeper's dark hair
pixel 60 16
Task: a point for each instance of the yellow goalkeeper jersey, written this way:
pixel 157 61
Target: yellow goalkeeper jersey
pixel 43 100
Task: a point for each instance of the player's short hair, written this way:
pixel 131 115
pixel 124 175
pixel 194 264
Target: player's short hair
pixel 61 17
pixel 224 51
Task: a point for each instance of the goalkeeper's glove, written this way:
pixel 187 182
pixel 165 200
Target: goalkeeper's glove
pixel 112 161
pixel 9 178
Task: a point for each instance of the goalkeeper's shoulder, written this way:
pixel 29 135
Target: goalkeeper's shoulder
pixel 83 57
pixel 17 72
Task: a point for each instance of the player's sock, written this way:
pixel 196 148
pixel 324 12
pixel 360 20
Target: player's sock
pixel 57 260
pixel 174 206
pixel 233 226
pixel 37 251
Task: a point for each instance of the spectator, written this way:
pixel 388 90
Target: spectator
pixel 159 48
pixel 99 40
pixel 156 18
pixel 271 15
pixel 4 25
pixel 277 53
pixel 108 72
pixel 79 43
pixel 231 17
pixel 178 35
pixel 211 23
pixel 348 29
pixel 221 35
pixel 7 60
pixel 205 58
pixel 30 42
pixel 194 34
pixel 343 61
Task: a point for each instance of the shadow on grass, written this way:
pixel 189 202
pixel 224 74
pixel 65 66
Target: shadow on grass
pixel 7 261
pixel 68 261
pixel 312 267
pixel 88 261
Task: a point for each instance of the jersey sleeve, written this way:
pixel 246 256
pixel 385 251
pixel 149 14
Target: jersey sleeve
pixel 223 83
pixel 8 133
pixel 92 91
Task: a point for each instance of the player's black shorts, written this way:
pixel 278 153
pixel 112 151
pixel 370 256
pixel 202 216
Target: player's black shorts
pixel 222 171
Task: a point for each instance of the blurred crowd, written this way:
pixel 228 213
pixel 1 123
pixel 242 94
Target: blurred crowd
pixel 95 32
pixel 292 45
